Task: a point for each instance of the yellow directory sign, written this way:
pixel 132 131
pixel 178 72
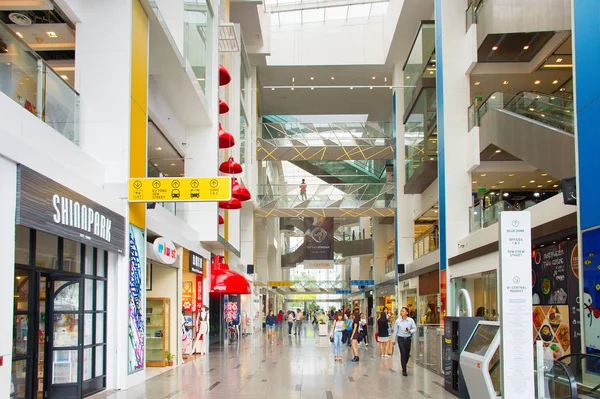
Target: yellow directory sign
pixel 166 189
pixel 279 284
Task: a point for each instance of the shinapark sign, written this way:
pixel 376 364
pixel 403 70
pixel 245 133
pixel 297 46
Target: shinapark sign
pixel 179 189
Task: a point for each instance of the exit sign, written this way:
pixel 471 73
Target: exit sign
pixel 481 189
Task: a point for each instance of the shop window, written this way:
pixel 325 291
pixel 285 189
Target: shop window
pixel 87 364
pixel 89 260
pixel 100 323
pixel 100 295
pixel 71 256
pixel 66 297
pixel 88 329
pixel 88 300
pixel 101 264
pixel 46 251
pixel 22 245
pixel 99 369
pixel 21 290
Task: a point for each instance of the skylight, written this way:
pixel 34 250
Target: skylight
pixel 289 12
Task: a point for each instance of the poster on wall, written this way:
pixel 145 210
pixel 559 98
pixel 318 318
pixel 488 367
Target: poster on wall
pixel 591 294
pixel 198 292
pixel 137 260
pixel 551 324
pixel 318 243
pixel 187 296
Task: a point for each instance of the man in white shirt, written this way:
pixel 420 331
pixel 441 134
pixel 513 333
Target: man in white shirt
pixel 403 331
pixel 298 322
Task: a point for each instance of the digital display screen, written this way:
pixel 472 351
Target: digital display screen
pixel 481 339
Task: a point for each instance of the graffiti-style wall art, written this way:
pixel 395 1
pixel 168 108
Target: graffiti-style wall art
pixel 137 286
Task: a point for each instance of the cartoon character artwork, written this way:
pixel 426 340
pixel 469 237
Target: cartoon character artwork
pixel 591 312
pixel 590 319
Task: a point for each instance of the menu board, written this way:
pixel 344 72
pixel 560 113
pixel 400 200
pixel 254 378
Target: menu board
pixel 554 279
pixel 551 325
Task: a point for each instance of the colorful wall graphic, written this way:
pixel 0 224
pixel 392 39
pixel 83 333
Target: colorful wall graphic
pixel 591 294
pixel 137 260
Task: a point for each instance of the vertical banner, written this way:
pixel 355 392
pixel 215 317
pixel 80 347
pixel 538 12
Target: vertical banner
pixel 137 261
pixel 515 309
pixel 187 296
pixel 199 282
pixel 591 294
pixel 318 243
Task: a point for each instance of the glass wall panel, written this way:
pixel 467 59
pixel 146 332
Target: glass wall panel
pixel 22 245
pixel 196 35
pixel 89 260
pixel 420 60
pixel 46 251
pixel 71 256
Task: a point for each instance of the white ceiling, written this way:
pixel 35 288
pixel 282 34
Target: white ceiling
pixel 35 36
pixel 377 103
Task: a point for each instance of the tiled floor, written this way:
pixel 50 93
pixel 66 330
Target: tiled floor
pixel 292 367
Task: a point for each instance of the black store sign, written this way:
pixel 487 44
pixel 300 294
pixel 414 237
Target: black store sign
pixel 46 205
pixel 196 263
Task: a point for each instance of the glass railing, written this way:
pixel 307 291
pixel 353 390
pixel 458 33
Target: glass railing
pixel 28 80
pixel 197 19
pixel 555 111
pixel 349 171
pixel 425 244
pixel 421 133
pixel 483 218
pixel 420 59
pixel 428 346
pixel 319 196
pixel 472 11
pixel 585 369
pixel 292 134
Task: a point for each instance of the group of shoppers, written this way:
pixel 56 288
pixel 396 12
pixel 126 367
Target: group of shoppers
pixel 294 320
pixel 349 328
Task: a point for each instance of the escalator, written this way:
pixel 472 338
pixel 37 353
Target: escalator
pixel 338 172
pixel 585 370
pixel 536 128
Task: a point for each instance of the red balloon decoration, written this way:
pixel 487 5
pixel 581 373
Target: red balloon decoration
pixel 230 167
pixel 226 139
pixel 238 191
pixel 223 107
pixel 233 203
pixel 221 220
pixel 224 76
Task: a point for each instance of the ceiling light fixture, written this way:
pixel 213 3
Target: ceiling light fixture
pixel 373 77
pixel 555 82
pixel 292 88
pixel 351 88
pixel 501 182
pixel 544 174
pixel 532 109
pixel 559 60
pixel 64 77
pixel 558 66
pixel 408 77
pixel 556 185
pixel 272 89
pixel 523 186
pixel 505 82
pixel 549 181
pixel 431 72
pixel 312 78
pixel 371 88
pixel 333 78
pixel 483 174
pixel 505 194
pixel 51 34
pixel 293 80
pixel 477 83
pixel 531 181
pixel 525 47
pixel 19 34
pixel 172 164
pixel 312 88
pixel 537 82
pixel 158 148
pixel 539 186
pixel 498 151
pixel 511 175
pixel 494 48
pixel 155 164
pixel 474 181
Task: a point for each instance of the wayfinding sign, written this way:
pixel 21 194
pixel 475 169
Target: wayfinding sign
pixel 516 323
pixel 165 189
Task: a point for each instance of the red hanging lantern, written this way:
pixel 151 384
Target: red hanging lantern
pixel 238 191
pixel 226 139
pixel 230 167
pixel 223 107
pixel 233 203
pixel 221 220
pixel 224 76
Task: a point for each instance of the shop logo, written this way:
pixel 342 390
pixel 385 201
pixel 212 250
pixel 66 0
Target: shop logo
pixel 71 213
pixel 165 250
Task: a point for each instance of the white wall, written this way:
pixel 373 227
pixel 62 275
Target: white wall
pixel 172 12
pixel 8 197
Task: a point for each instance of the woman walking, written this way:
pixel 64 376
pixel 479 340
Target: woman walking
pixel 337 329
pixel 363 331
pixel 383 330
pixel 348 330
pixel 355 335
pixel 271 321
pixel 291 318
pixel 403 331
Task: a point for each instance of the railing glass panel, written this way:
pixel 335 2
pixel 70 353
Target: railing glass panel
pixel 197 20
pixel 427 243
pixel 420 59
pixel 61 106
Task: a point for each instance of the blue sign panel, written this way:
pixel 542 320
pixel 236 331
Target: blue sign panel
pixel 343 291
pixel 362 282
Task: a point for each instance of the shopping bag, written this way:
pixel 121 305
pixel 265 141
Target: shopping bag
pixel 376 337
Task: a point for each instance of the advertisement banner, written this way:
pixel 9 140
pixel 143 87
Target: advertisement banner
pixel 198 292
pixel 591 294
pixel 137 299
pixel 187 296
pixel 318 243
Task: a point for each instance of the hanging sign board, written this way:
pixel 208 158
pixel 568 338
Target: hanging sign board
pixel 164 250
pixel 515 305
pixel 196 263
pixel 180 189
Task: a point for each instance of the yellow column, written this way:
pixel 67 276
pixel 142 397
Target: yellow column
pixel 139 107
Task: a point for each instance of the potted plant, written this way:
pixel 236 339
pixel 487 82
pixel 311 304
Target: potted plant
pixel 169 357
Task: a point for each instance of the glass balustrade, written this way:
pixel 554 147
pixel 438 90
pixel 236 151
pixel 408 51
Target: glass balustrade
pixel 318 196
pixel 421 133
pixel 420 62
pixel 480 218
pixel 28 80
pixel 197 20
pixel 472 11
pixel 426 243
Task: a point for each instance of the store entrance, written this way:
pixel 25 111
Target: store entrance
pixel 54 329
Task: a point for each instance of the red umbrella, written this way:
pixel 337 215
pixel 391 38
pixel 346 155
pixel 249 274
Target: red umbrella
pixel 224 76
pixel 230 167
pixel 226 139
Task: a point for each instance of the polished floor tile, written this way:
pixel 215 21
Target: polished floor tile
pixel 292 367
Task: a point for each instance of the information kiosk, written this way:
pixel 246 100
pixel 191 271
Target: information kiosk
pixel 475 360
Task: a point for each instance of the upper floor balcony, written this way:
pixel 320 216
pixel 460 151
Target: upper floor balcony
pixel 27 79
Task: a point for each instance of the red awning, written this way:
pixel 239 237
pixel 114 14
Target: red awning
pixel 225 281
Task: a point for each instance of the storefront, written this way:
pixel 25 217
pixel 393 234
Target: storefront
pixel 191 299
pixel 407 290
pixel 482 289
pixel 386 296
pixel 65 245
pixel 162 302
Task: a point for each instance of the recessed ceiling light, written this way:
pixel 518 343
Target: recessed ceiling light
pixel 525 47
pixel 537 82
pixel 351 88
pixel 166 174
pixel 554 82
pixel 493 97
pixel 493 186
pixel 64 77
pixel 172 164
pixel 531 181
pixel 373 77
pixel 431 72
pixel 548 181
pixel 544 174
pixel 505 82
pixel 158 148
pixel 53 35
pixel 494 48
pixel 19 34
pixel 293 80
pixel 559 60
pixel 523 186
pixel 501 182
pixel 539 186
pixel 408 77
pixel 272 88
pixel 333 77
pixel 155 164
pixel 474 181
pixel 371 88
pixel 532 109
pixel 498 151
pixel 483 174
pixel 292 88
pixel 312 78
pixel 556 185
pixel 511 175
pixel 312 88
pixel 477 83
